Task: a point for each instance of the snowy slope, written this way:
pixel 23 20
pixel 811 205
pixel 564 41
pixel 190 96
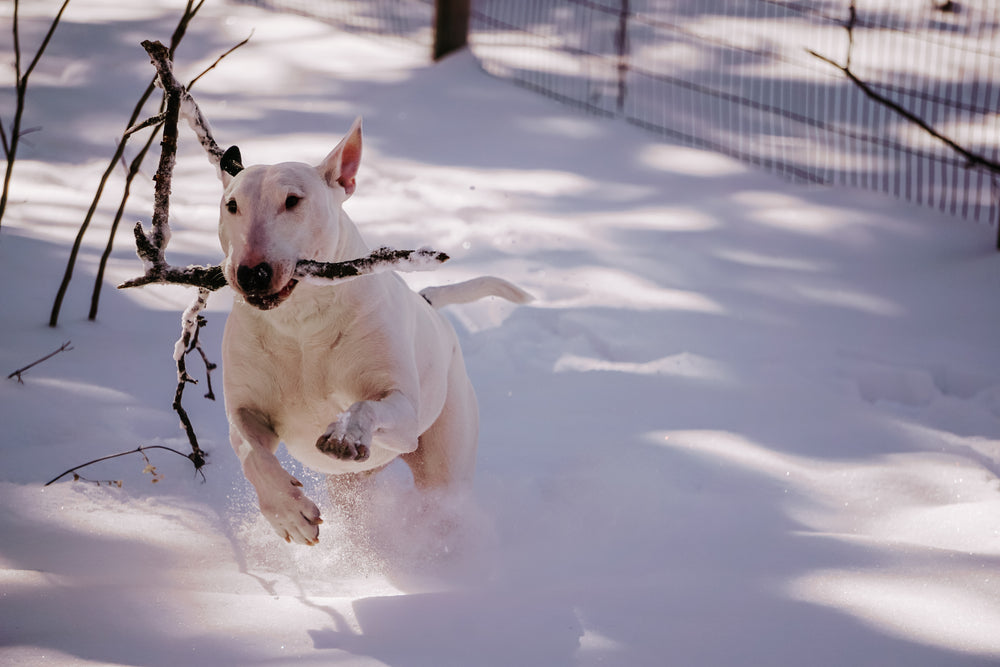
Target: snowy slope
pixel 742 424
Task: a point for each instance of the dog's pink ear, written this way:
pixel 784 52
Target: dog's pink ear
pixel 340 167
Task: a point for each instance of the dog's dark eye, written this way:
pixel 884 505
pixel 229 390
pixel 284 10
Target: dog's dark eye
pixel 231 206
pixel 291 201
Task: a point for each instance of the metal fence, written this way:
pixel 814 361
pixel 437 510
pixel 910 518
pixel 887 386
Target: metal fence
pixel 736 76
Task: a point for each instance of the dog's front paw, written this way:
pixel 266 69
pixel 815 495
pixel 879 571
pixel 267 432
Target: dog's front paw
pixel 292 515
pixel 348 439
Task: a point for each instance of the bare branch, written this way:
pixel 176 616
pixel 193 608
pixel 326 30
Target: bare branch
pixel 207 277
pixel 156 120
pixel 45 42
pixel 852 21
pixel 17 46
pixel 138 450
pixel 190 323
pixel 151 247
pixel 190 11
pixel 195 345
pixel 21 89
pixel 972 159
pixel 217 61
pixel 65 347
pixel 3 138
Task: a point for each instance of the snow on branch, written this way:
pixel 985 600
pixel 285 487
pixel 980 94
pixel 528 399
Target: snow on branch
pixel 382 259
pixel 211 278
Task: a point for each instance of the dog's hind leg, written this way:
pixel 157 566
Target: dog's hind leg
pixel 446 454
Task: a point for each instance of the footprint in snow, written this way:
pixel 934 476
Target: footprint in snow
pixel 919 387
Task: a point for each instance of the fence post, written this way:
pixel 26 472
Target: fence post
pixel 451 26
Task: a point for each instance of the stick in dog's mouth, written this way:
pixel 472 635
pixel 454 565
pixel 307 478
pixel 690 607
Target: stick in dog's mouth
pixel 269 301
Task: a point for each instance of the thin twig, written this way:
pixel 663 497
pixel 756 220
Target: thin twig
pixel 209 366
pixel 217 61
pixel 45 43
pixel 156 120
pixel 17 45
pixel 190 11
pixel 65 347
pixel 138 450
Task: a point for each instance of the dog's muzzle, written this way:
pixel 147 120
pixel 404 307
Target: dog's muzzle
pixel 255 284
pixel 254 280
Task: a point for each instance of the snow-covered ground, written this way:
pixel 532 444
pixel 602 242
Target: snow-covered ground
pixel 743 423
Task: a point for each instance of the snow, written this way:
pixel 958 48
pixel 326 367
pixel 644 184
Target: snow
pixel 743 422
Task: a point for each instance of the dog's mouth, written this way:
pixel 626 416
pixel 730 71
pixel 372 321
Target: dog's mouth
pixel 272 300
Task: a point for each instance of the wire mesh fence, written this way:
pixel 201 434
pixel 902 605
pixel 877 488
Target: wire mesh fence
pixel 737 76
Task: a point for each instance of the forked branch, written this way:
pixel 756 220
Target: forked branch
pixel 972 159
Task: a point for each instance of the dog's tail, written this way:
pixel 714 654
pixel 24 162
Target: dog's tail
pixel 473 290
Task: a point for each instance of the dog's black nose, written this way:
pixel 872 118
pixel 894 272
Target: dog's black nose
pixel 254 280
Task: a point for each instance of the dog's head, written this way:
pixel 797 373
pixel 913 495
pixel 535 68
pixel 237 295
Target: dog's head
pixel 272 216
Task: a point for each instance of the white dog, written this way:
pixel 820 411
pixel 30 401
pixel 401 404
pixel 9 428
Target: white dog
pixel 348 376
